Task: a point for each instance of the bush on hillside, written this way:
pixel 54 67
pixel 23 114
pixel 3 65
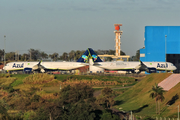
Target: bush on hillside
pixel 38 78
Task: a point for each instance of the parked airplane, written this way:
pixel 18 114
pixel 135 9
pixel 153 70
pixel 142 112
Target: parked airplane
pixel 47 66
pixel 134 67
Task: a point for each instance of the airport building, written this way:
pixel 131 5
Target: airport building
pixel 162 44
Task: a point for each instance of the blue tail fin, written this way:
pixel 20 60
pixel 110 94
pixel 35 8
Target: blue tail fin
pixel 84 58
pixel 94 56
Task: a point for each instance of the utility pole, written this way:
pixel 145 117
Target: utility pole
pixel 30 54
pixel 17 55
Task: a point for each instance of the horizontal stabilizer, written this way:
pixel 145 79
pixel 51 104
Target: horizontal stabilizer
pixel 96 64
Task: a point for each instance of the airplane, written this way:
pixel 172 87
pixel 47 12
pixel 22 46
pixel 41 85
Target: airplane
pixel 133 67
pixel 47 66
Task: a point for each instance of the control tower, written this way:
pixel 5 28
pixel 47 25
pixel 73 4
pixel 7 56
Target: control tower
pixel 118 34
pixel 117 55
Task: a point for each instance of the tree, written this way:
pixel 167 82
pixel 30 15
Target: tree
pixel 64 56
pixel 24 57
pixel 106 91
pixel 1 54
pixel 82 111
pixel 157 93
pixel 72 55
pixel 107 98
pixel 34 54
pixel 43 55
pixel 123 53
pixel 3 110
pixel 137 56
pixel 108 59
pixel 78 54
pixel 78 102
pixel 73 94
pixel 111 52
pixel 54 56
pixel 109 116
pixel 11 56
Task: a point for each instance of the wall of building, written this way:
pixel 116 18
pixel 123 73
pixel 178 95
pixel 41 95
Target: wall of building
pixel 157 46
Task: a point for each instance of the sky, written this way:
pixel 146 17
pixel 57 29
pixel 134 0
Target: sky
pixel 64 25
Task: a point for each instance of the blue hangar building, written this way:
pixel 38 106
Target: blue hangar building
pixel 162 43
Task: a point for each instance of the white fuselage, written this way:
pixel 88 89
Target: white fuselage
pixel 120 65
pixel 12 66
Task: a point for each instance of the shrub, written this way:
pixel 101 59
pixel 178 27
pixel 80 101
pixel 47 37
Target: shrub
pixel 38 78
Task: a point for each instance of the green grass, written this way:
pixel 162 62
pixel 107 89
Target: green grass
pixel 121 90
pixel 16 83
pixel 19 79
pixel 97 89
pixel 4 75
pixel 61 77
pixel 91 77
pixel 137 98
pixel 20 76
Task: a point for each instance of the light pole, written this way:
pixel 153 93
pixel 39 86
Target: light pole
pixel 165 52
pixel 4 49
pixel 178 112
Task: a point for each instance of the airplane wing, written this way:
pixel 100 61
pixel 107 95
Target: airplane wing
pixel 143 67
pixel 39 67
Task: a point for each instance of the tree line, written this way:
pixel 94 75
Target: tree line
pixel 35 55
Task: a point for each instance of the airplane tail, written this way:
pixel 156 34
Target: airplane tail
pixel 84 58
pixel 94 56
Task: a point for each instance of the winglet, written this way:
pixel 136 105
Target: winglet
pixel 39 62
pixel 140 61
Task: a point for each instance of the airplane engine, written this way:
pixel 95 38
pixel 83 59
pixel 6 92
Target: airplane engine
pixel 27 70
pixel 137 71
pixel 38 68
pixel 151 70
pixel 42 70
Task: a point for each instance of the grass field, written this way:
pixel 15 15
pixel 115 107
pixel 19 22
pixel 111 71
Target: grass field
pixel 137 98
pixel 52 83
pixel 134 99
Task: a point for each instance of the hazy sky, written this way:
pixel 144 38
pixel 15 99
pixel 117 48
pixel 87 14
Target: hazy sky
pixel 65 25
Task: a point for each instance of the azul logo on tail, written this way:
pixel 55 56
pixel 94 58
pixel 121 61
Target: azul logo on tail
pixel 94 56
pixel 162 65
pixel 18 65
pixel 85 58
